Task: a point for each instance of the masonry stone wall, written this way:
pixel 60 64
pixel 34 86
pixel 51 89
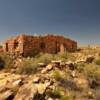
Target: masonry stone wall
pixel 27 45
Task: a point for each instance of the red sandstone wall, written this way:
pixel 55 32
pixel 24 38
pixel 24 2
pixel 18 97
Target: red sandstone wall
pixel 28 45
pixel 31 45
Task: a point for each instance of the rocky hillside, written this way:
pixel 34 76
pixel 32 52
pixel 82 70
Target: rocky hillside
pixel 71 76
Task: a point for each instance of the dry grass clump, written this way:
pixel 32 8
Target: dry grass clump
pixel 30 65
pixel 58 92
pixel 57 75
pixel 92 71
pixel 7 60
pixel 43 58
pixel 27 66
pixel 97 61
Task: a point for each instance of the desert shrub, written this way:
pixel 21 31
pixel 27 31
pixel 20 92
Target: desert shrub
pixel 0 46
pixel 47 58
pixel 44 58
pixel 8 61
pixel 80 67
pixel 96 75
pixel 62 57
pixel 65 55
pixel 53 93
pixel 92 71
pixel 58 92
pixel 97 61
pixel 28 66
pixel 64 97
pixel 57 75
pixel 97 94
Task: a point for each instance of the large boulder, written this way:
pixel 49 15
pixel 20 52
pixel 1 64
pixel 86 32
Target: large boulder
pixel 30 91
pixel 26 92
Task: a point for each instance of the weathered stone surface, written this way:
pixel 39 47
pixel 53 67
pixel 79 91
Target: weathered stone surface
pixel 26 92
pixel 27 45
pixel 90 95
pixel 74 74
pixel 17 83
pixel 56 62
pixel 41 87
pixel 49 67
pixel 81 83
pixel 50 99
pixel 43 71
pixel 30 90
pixel 6 95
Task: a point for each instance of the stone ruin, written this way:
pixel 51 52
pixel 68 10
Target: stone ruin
pixel 27 45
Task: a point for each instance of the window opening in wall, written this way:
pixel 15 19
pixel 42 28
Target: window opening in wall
pixel 42 45
pixel 6 46
pixel 15 45
pixel 58 47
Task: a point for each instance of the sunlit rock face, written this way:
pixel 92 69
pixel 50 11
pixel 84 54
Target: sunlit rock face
pixel 27 45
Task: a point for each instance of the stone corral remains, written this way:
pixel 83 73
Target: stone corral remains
pixel 27 45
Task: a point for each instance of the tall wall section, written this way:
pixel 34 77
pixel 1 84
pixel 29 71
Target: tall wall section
pixel 27 45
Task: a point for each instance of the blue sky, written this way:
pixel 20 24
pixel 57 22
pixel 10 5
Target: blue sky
pixel 77 19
